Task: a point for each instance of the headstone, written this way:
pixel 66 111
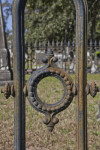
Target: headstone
pixel 72 63
pixel 89 59
pixel 72 67
pixel 38 56
pixel 94 67
pixel 60 60
pixel 5 73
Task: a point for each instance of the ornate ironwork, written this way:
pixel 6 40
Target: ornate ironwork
pixel 92 89
pixel 8 90
pixel 50 69
pixel 50 110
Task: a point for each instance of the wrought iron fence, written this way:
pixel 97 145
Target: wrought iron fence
pixel 65 52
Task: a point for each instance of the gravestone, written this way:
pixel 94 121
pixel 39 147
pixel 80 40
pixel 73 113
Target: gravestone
pixel 72 68
pixel 39 56
pixel 60 60
pixel 94 67
pixel 5 73
pixel 72 63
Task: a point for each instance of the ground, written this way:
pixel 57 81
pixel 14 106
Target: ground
pixel 37 136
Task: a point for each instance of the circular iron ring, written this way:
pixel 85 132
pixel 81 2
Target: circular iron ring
pixel 63 103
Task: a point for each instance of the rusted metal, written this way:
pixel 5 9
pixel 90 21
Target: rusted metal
pixel 80 89
pixel 25 91
pixel 74 90
pixel 19 69
pixel 8 90
pixel 87 89
pixel 50 110
pixel 92 89
pixel 81 44
pixel 81 73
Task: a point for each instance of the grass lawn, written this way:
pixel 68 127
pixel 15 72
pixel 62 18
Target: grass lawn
pixel 37 136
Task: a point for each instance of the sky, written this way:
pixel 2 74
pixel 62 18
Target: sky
pixel 9 21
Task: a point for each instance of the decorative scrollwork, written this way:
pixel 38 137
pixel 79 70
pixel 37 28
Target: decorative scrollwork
pixel 8 90
pixel 92 89
pixel 50 110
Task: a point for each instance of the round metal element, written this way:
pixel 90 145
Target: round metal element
pixel 60 105
pixel 50 90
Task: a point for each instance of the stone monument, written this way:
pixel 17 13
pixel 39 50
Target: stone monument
pixel 5 72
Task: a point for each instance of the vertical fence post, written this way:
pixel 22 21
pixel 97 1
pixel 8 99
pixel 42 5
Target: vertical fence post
pixel 18 48
pixel 81 73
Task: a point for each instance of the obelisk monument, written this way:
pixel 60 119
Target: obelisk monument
pixel 5 73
